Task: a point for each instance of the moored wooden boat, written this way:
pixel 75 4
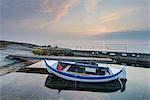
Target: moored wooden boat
pixel 84 72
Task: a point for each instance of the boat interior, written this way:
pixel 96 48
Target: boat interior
pixel 82 70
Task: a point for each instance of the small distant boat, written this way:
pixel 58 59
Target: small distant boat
pixel 84 72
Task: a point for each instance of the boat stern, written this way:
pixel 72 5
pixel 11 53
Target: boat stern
pixel 52 63
pixel 123 73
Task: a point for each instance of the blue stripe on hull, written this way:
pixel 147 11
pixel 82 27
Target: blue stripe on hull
pixel 82 77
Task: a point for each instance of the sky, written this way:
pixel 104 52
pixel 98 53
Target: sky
pixel 77 22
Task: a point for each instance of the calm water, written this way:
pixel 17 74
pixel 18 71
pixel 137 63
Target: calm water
pixel 23 86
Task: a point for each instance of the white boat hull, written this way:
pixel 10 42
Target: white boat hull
pixel 52 68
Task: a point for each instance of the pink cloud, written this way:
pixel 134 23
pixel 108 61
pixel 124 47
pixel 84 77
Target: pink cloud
pixel 56 9
pixel 108 17
pixel 91 5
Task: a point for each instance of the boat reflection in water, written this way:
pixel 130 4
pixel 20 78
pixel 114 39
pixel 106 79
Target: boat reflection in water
pixel 55 82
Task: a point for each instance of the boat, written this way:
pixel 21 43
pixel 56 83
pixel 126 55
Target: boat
pixel 83 72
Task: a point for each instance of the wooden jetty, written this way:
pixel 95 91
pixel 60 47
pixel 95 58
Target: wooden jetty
pixel 128 58
pixel 64 58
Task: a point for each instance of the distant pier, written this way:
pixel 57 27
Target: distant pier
pixel 131 59
pixel 65 58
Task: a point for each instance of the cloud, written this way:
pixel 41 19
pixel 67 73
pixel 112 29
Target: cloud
pixel 45 14
pixel 98 30
pixel 56 9
pixel 12 10
pixel 109 16
pixel 34 14
pixel 124 35
pixel 91 5
pixel 127 18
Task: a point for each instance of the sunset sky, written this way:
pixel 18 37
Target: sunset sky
pixel 67 22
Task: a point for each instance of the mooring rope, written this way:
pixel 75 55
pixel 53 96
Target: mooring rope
pixel 75 83
pixel 121 85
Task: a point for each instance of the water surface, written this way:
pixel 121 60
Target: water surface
pixel 29 86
